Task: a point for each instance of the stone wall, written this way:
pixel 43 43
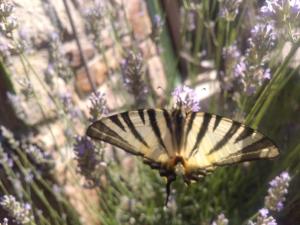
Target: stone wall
pixel 41 24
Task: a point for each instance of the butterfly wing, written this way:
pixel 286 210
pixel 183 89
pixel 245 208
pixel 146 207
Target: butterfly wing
pixel 211 140
pixel 145 132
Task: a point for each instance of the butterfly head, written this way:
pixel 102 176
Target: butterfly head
pixel 179 168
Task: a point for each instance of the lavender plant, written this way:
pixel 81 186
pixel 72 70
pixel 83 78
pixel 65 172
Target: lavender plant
pixel 242 42
pixel 285 16
pixel 221 220
pixel 132 72
pixel 98 106
pixel 157 26
pixel 7 20
pixel 21 212
pixel 263 218
pixel 229 9
pixel 277 191
pixel 25 175
pixel 57 60
pixel 90 161
pixel 5 221
pixel 94 18
pixel 186 98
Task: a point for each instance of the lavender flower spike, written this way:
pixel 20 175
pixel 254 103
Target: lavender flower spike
pixel 229 9
pixel 186 98
pixel 89 161
pixel 263 218
pixel 5 222
pixel 98 106
pixel 132 71
pixel 221 220
pixel 8 22
pixel 277 191
pixel 21 212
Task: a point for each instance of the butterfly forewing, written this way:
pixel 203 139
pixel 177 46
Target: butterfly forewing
pixel 143 132
pixel 211 140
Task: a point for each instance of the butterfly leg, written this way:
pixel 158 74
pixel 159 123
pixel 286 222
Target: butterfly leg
pixel 170 178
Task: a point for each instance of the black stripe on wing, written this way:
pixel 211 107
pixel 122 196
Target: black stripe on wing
pixel 115 119
pixel 178 121
pixel 189 127
pixel 142 115
pixel 247 132
pixel 253 152
pixel 169 125
pixel 204 126
pixel 232 130
pixel 98 130
pixel 217 121
pixel 155 127
pixel 132 128
pixel 260 144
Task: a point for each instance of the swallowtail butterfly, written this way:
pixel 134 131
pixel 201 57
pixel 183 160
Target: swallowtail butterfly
pixel 179 143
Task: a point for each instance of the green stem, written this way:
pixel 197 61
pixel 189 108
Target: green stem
pixel 227 36
pixel 39 104
pixel 40 195
pixel 277 75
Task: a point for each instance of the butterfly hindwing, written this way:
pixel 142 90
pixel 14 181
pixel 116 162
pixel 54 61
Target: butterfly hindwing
pixel 145 132
pixel 211 140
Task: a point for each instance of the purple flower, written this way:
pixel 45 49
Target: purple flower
pixel 267 74
pixel 94 15
pixel 269 8
pixel 29 176
pixel 187 98
pixel 98 106
pixel 157 27
pixel 37 155
pixel 262 40
pixel 7 21
pixel 229 9
pixel 132 71
pixel 280 8
pixel 263 218
pixel 5 51
pixel 6 9
pixel 89 159
pixel 157 21
pixel 68 105
pixel 57 58
pixel 264 212
pixel 221 220
pixel 295 6
pixel 191 21
pixel 21 212
pixel 277 191
pixel 4 222
pixel 25 43
pixel 231 52
pixel 17 103
pixel 283 12
pixel 231 56
pixel 240 68
pixel 57 189
pixel 4 158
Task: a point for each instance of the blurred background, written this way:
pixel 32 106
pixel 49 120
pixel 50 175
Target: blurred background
pixel 65 64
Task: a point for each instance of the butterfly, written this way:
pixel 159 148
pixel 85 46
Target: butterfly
pixel 179 143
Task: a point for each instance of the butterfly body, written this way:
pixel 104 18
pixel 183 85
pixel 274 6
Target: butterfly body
pixel 179 143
